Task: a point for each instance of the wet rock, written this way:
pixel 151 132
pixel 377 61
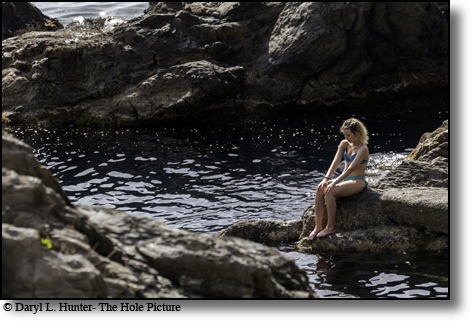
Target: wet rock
pixel 355 212
pixel 213 61
pixel 265 230
pixel 393 239
pixel 51 248
pixel 21 17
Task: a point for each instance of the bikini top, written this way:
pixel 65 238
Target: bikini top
pixel 349 160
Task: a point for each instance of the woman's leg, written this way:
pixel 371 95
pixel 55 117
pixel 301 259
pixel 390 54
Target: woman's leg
pixel 343 189
pixel 318 213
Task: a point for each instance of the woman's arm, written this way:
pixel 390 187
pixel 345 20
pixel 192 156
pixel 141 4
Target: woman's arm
pixel 337 159
pixel 334 165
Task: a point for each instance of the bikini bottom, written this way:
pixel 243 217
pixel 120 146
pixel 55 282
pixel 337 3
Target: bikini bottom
pixel 349 178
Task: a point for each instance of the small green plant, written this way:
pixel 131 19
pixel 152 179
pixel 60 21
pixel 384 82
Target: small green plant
pixel 44 241
pixel 47 243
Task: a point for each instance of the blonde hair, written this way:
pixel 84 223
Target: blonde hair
pixel 357 128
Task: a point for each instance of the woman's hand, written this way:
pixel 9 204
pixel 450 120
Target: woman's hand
pixel 330 187
pixel 324 183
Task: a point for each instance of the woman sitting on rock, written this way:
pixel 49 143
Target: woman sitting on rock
pixel 351 181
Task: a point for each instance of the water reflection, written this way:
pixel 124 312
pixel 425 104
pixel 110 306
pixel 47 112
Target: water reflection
pixel 374 276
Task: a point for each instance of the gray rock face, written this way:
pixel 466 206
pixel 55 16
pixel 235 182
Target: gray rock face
pixel 408 211
pixel 31 271
pixel 418 207
pixel 51 248
pixel 414 173
pixel 224 267
pixel 208 61
pixel 14 150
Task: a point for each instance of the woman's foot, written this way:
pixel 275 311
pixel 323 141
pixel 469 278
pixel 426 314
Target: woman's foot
pixel 325 232
pixel 313 234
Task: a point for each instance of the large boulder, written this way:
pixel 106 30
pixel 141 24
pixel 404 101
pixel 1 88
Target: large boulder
pixel 182 62
pixel 418 207
pixel 31 271
pixel 51 248
pixel 21 17
pixel 14 150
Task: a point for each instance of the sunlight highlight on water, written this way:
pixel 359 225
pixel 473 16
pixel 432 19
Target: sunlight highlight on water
pixel 67 11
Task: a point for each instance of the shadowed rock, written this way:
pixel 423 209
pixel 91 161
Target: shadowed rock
pixel 262 230
pixel 214 61
pixel 393 239
pixel 21 17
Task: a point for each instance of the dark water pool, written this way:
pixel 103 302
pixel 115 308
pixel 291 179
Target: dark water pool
pixel 205 178
pixel 355 275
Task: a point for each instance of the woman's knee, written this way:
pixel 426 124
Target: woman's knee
pixel 320 193
pixel 330 194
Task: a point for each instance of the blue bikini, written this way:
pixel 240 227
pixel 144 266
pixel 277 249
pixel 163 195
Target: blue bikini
pixel 349 160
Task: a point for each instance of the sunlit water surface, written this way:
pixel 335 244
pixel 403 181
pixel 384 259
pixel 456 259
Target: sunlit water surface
pixel 68 11
pixel 206 178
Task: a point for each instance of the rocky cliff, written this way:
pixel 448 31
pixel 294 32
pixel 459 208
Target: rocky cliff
pixel 208 61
